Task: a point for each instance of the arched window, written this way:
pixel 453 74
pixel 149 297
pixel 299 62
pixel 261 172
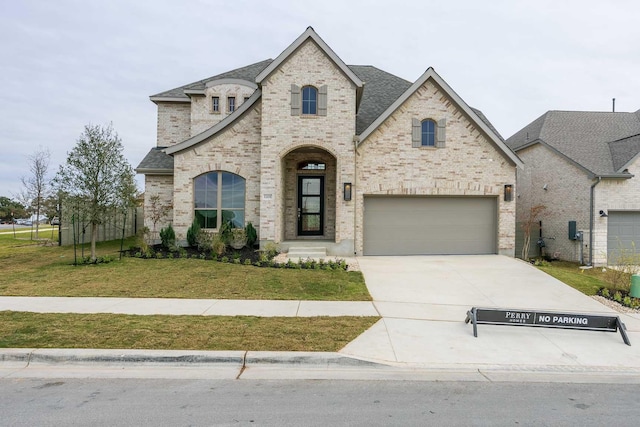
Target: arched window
pixel 428 138
pixel 309 100
pixel 219 197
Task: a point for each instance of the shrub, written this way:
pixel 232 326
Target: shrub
pixel 225 232
pixel 168 237
pixel 252 235
pixel 218 245
pixel 247 261
pixel 617 296
pixel 192 233
pixel 204 241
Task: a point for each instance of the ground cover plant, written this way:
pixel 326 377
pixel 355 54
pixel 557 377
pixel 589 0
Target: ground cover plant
pixel 610 283
pixel 30 269
pixel 37 330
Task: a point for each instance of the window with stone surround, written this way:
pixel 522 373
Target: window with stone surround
pixel 219 197
pixel 231 103
pixel 215 104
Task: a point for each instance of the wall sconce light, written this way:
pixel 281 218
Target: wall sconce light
pixel 347 191
pixel 508 193
pixel 603 214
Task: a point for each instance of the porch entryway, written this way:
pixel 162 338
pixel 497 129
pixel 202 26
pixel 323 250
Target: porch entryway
pixel 309 195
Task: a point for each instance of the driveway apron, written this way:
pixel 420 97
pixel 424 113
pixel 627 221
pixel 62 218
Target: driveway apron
pixel 423 302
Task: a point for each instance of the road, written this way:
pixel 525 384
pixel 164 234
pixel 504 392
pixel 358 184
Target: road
pixel 110 402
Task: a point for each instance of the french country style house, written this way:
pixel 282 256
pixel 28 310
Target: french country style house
pixel 352 159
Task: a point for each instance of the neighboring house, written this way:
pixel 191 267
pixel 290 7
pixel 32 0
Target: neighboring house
pixel 583 167
pixel 351 158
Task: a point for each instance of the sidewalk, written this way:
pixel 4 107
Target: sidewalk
pixel 195 307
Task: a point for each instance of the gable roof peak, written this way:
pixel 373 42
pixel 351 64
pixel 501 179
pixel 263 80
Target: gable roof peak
pixel 309 33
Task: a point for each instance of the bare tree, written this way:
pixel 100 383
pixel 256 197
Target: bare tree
pixel 535 213
pixel 97 176
pixel 36 185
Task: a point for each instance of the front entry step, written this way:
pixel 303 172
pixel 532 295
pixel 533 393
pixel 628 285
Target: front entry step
pixel 304 252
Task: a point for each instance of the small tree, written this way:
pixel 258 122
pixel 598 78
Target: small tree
pixel 36 185
pixel 10 209
pixel 98 176
pixel 157 211
pixel 535 212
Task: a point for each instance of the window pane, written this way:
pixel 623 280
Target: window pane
pixel 235 216
pixel 232 191
pixel 429 133
pixel 309 99
pixel 206 190
pixel 207 219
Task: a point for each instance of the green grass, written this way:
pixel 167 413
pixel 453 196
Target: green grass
pixel 35 330
pixel 30 269
pixel 587 281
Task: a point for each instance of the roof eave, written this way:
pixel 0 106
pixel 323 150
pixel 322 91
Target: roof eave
pixel 309 34
pixel 218 127
pixel 157 99
pixel 152 171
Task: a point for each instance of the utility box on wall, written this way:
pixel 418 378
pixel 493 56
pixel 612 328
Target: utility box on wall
pixel 573 235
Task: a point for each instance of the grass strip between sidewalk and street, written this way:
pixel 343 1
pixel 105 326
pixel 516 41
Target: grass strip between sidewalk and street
pixel 30 269
pixel 115 331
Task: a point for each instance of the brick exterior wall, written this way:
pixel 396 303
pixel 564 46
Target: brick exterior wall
pixel 235 150
pixel 162 186
pixel 202 115
pixel 613 195
pixel 174 123
pixel 468 165
pixel 566 199
pixel 283 133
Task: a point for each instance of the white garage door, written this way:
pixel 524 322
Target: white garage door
pixel 623 234
pixel 430 225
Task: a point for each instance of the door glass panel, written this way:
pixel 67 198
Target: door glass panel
pixel 310 204
pixel 310 186
pixel 310 222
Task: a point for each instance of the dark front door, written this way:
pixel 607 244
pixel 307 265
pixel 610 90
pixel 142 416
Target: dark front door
pixel 310 205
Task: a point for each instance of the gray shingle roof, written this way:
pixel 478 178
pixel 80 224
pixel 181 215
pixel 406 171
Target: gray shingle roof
pixel 380 90
pixel 248 73
pixel 156 161
pixel 584 137
pixel 624 150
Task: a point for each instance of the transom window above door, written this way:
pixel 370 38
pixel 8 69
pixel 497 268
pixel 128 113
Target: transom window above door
pixel 219 197
pixel 308 166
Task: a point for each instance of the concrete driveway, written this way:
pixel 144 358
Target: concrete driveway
pixel 424 299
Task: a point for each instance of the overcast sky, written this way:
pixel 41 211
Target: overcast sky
pixel 67 63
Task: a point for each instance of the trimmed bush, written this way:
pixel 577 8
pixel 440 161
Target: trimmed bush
pixel 168 237
pixel 192 233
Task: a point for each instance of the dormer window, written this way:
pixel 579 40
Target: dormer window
pixel 215 104
pixel 231 102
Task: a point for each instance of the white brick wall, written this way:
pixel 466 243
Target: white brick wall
pixel 469 165
pixel 174 123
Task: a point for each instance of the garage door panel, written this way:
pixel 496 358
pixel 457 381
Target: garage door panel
pixel 429 225
pixel 623 234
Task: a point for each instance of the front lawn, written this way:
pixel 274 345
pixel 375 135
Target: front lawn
pixel 30 269
pixel 36 330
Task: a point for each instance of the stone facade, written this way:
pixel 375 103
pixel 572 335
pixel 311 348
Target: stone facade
pixel 469 165
pixel 202 114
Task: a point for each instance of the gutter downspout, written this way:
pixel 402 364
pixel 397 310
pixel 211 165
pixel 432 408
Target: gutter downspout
pixel 591 210
pixel 356 141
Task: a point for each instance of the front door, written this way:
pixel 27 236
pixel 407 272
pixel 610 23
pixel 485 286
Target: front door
pixel 310 205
